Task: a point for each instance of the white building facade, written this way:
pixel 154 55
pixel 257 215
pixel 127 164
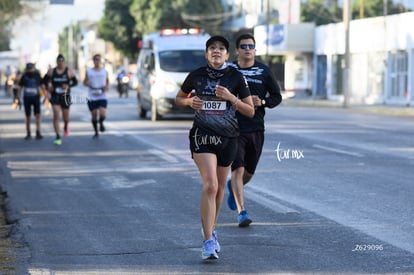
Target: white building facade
pixel 296 43
pixel 381 60
pixel 381 51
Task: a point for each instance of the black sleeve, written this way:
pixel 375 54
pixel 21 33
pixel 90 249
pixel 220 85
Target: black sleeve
pixel 73 81
pixel 273 89
pixel 243 89
pixel 187 86
pixel 21 80
pixel 39 78
pixel 45 79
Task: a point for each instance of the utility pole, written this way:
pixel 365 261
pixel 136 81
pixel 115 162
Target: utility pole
pixel 268 32
pixel 346 72
pixel 361 9
pixel 70 29
pixel 70 45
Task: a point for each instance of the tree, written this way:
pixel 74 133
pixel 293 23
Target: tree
pixel 206 14
pixel 64 41
pixel 118 26
pixel 125 21
pixel 9 11
pixel 317 12
pixel 152 15
pixel 372 8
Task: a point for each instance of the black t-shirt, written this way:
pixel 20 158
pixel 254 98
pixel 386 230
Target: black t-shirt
pixel 217 115
pixel 263 84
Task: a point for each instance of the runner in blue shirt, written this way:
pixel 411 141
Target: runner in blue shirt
pixel 30 84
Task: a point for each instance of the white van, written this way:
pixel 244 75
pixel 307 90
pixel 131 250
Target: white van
pixel 165 59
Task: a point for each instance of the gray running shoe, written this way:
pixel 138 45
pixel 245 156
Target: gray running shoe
pixel 209 251
pixel 217 245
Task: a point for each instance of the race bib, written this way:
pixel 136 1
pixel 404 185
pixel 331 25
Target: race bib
pixel 60 90
pixel 96 91
pixel 213 105
pixel 30 91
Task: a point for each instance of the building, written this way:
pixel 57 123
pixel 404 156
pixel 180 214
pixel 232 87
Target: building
pixel 296 43
pixel 381 60
pixel 381 69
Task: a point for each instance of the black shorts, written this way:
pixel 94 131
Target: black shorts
pixel 63 100
pixel 202 141
pixel 96 104
pixel 250 147
pixel 28 102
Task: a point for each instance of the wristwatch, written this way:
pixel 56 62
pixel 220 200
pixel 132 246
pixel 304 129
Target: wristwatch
pixel 263 102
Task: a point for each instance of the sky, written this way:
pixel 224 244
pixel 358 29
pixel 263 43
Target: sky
pixel 30 32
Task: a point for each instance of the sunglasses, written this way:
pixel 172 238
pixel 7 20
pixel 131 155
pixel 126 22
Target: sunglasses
pixel 247 46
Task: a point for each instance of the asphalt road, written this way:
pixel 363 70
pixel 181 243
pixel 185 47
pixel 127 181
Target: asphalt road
pixel 332 195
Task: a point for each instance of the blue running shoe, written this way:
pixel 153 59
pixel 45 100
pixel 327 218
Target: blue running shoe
pixel 209 251
pixel 244 219
pixel 231 202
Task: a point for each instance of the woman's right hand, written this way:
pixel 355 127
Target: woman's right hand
pixel 196 103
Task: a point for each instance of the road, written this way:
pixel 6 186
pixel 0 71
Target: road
pixel 332 195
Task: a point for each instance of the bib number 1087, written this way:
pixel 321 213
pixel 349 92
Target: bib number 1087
pixel 214 105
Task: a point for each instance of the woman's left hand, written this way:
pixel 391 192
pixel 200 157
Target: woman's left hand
pixel 224 93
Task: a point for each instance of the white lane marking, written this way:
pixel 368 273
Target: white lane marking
pixel 116 131
pixel 158 150
pixel 111 127
pixel 121 182
pixel 266 198
pixel 163 155
pixel 336 150
pixel 78 171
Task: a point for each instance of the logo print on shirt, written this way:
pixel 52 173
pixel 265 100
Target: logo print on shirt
pixel 210 88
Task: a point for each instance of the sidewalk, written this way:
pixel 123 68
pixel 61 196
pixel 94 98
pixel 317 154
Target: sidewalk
pixel 391 110
pixel 5 257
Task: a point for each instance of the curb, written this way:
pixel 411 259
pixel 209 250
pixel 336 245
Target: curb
pixel 390 110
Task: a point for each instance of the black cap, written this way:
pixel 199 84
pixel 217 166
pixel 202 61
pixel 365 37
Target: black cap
pixel 29 66
pixel 60 57
pixel 219 38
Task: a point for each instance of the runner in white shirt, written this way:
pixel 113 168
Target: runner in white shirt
pixel 98 82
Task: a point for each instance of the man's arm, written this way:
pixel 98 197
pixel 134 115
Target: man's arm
pixel 106 82
pixel 273 89
pixel 73 81
pixel 47 80
pixel 86 80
